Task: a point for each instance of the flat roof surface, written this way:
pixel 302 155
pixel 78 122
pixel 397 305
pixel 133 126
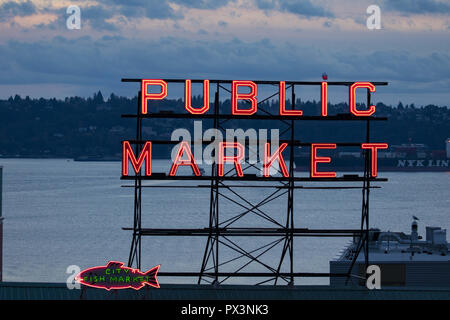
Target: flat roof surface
pixel 59 291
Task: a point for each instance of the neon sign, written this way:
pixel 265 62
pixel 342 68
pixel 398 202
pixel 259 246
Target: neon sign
pixel 114 275
pixel 251 97
pixel 145 155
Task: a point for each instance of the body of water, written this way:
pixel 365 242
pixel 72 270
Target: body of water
pixel 60 213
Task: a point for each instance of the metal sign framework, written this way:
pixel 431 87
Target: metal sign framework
pixel 219 231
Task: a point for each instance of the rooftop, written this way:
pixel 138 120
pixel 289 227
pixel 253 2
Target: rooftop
pixel 59 291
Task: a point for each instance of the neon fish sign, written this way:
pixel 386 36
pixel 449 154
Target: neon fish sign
pixel 114 275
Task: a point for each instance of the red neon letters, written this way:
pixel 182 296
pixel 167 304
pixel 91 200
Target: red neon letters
pixel 128 154
pixel 145 95
pixel 324 98
pixel 373 147
pixel 360 113
pixel 315 160
pixel 137 161
pixel 270 159
pixel 190 161
pixel 251 96
pixel 283 111
pixel 187 98
pixel 233 159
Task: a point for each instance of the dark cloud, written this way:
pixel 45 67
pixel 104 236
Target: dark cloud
pixel 97 16
pixel 11 9
pixel 304 8
pixel 418 6
pixel 102 62
pixel 153 9
pixel 203 4
pixel 266 4
pixel 161 9
pixel 94 16
pixel 298 7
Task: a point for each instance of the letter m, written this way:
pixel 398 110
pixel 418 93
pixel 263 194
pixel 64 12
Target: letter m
pixel 129 156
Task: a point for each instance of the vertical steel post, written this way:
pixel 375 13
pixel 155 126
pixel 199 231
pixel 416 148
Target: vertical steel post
pixel 363 241
pixel 212 244
pixel 216 193
pixel 367 175
pixel 135 250
pixel 291 192
pixel 289 237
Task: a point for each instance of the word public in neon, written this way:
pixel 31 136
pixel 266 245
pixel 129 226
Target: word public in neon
pixel 251 96
pixel 185 157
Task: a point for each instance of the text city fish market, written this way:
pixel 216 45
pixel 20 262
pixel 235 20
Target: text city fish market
pixel 184 156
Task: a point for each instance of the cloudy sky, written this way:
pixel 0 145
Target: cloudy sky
pixel 227 39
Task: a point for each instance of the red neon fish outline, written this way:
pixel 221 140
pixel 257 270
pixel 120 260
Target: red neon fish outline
pixel 153 271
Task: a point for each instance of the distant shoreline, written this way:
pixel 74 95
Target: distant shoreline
pixel 77 159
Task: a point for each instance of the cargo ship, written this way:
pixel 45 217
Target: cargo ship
pixel 411 157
